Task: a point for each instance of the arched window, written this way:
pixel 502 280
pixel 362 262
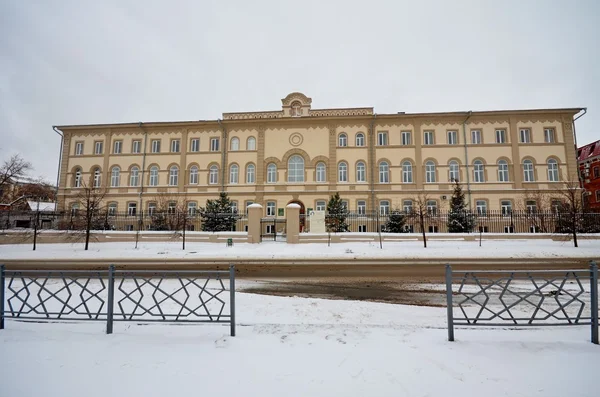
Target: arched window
pixel 361 173
pixel 296 109
pixel 271 173
pixel 384 172
pixel 407 174
pixel 235 144
pixel 134 176
pixel 77 178
pixel 251 144
pixel 528 175
pixel 321 176
pixel 453 171
pixel 173 175
pixel 153 176
pixel 250 174
pixel 213 175
pixel 478 171
pixel 234 172
pixel 296 169
pixel 552 170
pixel 342 172
pixel 342 140
pixel 194 175
pixel 360 139
pixel 503 171
pixel 115 177
pixel 97 177
pixel 430 172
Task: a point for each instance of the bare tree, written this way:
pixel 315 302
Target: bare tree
pixel 571 215
pixel 171 214
pixel 89 216
pixel 539 208
pixel 15 167
pixel 422 213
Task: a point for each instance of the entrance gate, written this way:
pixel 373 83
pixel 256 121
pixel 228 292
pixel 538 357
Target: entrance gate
pixel 272 228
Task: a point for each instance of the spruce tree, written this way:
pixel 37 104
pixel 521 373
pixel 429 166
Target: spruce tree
pixel 218 215
pixel 335 221
pixel 460 220
pixel 395 222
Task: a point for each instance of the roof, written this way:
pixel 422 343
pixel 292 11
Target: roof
pixel 43 206
pixel 588 151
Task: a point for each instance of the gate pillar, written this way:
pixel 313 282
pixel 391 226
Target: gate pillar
pixel 254 216
pixel 293 223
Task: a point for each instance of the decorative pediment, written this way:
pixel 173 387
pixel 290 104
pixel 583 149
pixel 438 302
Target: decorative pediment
pixel 296 96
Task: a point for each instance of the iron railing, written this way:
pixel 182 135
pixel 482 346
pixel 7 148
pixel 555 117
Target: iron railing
pixel 190 296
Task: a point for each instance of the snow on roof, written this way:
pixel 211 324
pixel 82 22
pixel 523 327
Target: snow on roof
pixel 43 206
pixel 589 150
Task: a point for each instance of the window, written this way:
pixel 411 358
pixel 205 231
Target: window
pixel 478 171
pixel 598 196
pixel 596 172
pixel 360 139
pixel 430 172
pixel 77 179
pixel 531 206
pixel 481 206
pixel 251 144
pixel 321 205
pixel 214 144
pixel 117 147
pixel 556 206
pixel 97 177
pixel 151 208
pixel 384 207
pixel 192 208
pixel 136 146
pixel 503 171
pixel 476 137
pixel 525 134
pixel 384 172
pixel 361 174
pixel 78 148
pixel 134 176
pixel 361 207
pixel 213 175
pixel 131 209
pixel 509 229
pixel 428 138
pixel 433 229
pixel 175 146
pixel 234 207
pixel 506 207
pixel 112 209
pixel 153 176
pixel 195 145
pixel 321 177
pixel 235 144
pixel 173 175
pixel 382 138
pixel 452 137
pixel 407 174
pixel 172 207
pixel 453 171
pixel 296 109
pixel 271 173
pixel 528 174
pixel 342 172
pixel 271 208
pixel 406 138
pixel 98 147
pixel 500 136
pixel 362 228
pixel 345 205
pixel 431 206
pixel 115 177
pixel 342 140
pixel 74 208
pixel 156 146
pixel 549 135
pixel 407 206
pixel 296 169
pixel 250 174
pixel 553 170
pixel 193 175
pixel 248 204
pixel 234 172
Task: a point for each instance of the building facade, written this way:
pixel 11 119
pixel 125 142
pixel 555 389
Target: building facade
pixel 303 155
pixel 588 158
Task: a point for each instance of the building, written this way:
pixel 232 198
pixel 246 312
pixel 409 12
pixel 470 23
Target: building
pixel 303 155
pixel 588 159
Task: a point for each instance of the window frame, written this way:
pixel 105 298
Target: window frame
pixel 361 172
pixel 524 135
pixel 234 144
pixel 175 145
pixel 342 169
pixel 252 146
pixel 452 137
pixel 406 138
pixel 296 170
pixel 361 207
pixel 155 146
pixel 79 148
pixel 407 172
pixel 360 143
pixel 384 207
pixel 501 171
pixel 343 140
pixel 136 144
pixel 321 172
pixel 115 176
pixel 250 174
pixel 382 138
pixel 481 206
pixel 318 205
pixel 234 174
pixel 134 176
pixel 173 175
pixel 98 147
pixel 117 147
pixel 194 175
pixel 213 175
pixel 476 137
pixel 430 176
pixel 506 207
pixel 428 138
pixel 478 171
pixel 214 144
pixel 195 145
pixel 271 208
pixel 453 164
pixel 553 173
pixel 500 136
pixel 153 175
pixel 528 171
pixel 271 173
pixel 549 135
pixel 384 172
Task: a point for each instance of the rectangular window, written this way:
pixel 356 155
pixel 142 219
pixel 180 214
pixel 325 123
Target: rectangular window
pixel 361 207
pixel 598 196
pixel 234 207
pixel 409 229
pixel 434 229
pixel 407 206
pixel 131 209
pixel 476 137
pixel 175 146
pixel 78 148
pixel 452 137
pixel 500 136
pixel 151 208
pixel 509 229
pixel 431 207
pixel 596 172
pixel 321 205
pixel 384 207
pixel 192 208
pixel 214 144
pixel 98 146
pixel 428 138
pixel 525 135
pixel 117 147
pixel 362 228
pixel 136 146
pixel 549 135
pixel 481 206
pixel 156 146
pixel 345 204
pixel 506 207
pixel 406 138
pixel 531 206
pixel 271 208
pixel 172 207
pixel 195 145
pixel 112 209
pixel 382 138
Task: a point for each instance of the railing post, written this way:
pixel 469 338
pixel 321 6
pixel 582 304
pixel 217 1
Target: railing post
pixel 110 299
pixel 449 303
pixel 594 300
pixel 2 267
pixel 232 297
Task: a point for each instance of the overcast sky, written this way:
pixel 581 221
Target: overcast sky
pixel 82 62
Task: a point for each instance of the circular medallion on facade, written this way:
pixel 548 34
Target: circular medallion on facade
pixel 296 139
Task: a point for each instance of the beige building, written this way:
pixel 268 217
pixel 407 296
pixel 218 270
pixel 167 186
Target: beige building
pixel 303 155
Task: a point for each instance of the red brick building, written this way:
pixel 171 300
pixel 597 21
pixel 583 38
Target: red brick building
pixel 588 158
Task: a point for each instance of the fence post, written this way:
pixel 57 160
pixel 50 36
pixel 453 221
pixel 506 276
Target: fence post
pixel 594 300
pixel 232 297
pixel 110 299
pixel 2 267
pixel 449 303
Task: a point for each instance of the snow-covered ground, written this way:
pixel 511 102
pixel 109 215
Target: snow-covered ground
pixel 298 347
pixel 267 250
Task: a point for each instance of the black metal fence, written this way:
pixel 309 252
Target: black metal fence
pixel 111 295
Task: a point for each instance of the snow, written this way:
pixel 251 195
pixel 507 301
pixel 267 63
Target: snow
pixel 298 347
pixel 43 206
pixel 293 205
pixel 347 250
pixel 254 205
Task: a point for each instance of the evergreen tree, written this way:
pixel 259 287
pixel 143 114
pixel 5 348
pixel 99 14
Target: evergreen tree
pixel 158 221
pixel 395 222
pixel 335 221
pixel 460 220
pixel 218 215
